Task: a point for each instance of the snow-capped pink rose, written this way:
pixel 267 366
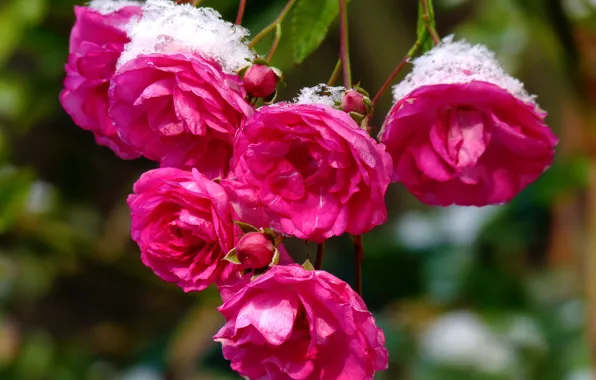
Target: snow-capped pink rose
pixel 309 171
pixel 176 96
pixel 179 109
pixel 464 132
pixel 291 323
pixel 182 222
pixel 96 42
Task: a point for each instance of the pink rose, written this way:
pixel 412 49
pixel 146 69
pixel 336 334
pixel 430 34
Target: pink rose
pixel 96 42
pixel 291 323
pixel 463 132
pixel 309 171
pixel 182 222
pixel 179 109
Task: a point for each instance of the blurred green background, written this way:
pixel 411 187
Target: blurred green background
pixel 492 293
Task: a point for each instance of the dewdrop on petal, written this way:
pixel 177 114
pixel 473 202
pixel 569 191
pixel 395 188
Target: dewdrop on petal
pixel 464 132
pixel 176 97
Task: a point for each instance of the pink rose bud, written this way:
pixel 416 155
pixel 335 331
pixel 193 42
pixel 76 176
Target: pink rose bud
pixel 464 132
pixel 353 101
pixel 260 81
pixel 255 250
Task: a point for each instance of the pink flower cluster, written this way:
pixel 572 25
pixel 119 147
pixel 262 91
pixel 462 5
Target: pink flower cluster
pixel 169 82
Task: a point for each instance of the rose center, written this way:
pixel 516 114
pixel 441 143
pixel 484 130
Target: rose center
pixel 467 140
pixel 300 157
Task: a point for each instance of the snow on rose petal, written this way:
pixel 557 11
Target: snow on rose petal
pixel 175 96
pixel 464 132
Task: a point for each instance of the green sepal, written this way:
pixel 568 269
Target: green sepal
pixel 271 98
pixel 245 227
pixel 275 258
pixel 308 265
pixel 258 273
pixel 231 256
pixel 357 117
pixel 269 233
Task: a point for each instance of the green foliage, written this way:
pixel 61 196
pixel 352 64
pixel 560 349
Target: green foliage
pixel 310 24
pixel 425 20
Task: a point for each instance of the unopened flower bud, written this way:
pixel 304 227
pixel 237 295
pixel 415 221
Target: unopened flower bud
pixel 354 101
pixel 255 250
pixel 260 81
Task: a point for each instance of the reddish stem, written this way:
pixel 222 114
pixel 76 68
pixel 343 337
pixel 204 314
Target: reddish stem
pixel 320 254
pixel 358 256
pixel 388 81
pixel 344 48
pixel 272 27
pixel 241 9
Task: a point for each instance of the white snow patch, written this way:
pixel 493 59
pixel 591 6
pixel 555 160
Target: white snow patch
pixel 321 94
pixel 109 6
pixel 167 27
pixel 459 62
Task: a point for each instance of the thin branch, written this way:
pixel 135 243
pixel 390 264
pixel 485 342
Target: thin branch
pixel 241 8
pixel 392 76
pixel 388 81
pixel 271 27
pixel 320 255
pixel 344 48
pixel 275 43
pixel 358 256
pixel 335 74
pixel 426 18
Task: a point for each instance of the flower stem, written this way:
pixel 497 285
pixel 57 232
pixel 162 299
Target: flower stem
pixel 426 18
pixel 273 26
pixel 320 254
pixel 392 76
pixel 388 81
pixel 335 74
pixel 344 48
pixel 358 256
pixel 241 8
pixel 275 43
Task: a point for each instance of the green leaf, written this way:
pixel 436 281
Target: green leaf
pixel 423 37
pixel 310 24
